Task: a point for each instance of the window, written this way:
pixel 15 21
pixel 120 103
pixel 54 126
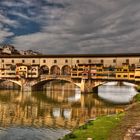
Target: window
pixel 137 76
pixel 99 69
pixel 55 61
pixel 127 60
pixel 89 61
pixel 119 75
pixel 133 65
pixel 44 61
pixel 125 76
pixel 102 61
pixel 74 74
pixel 114 60
pixel 23 61
pixel 125 70
pixel 33 61
pixel 2 61
pixel 131 76
pixel 13 67
pixel 77 61
pixel 80 69
pixel 66 61
pixel 12 61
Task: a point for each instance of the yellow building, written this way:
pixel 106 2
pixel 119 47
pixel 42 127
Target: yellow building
pixel 137 73
pixel 125 72
pixel 26 71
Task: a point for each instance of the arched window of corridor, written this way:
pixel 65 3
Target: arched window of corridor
pixel 55 70
pixel 44 70
pixel 66 70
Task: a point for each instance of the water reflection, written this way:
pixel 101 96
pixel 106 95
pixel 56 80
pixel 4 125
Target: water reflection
pixel 117 94
pixel 59 107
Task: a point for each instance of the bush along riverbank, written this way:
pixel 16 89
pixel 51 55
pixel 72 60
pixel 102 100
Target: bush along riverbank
pixel 136 98
pixel 138 88
pixel 98 129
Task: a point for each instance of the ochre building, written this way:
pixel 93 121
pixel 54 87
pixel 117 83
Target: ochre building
pixel 98 66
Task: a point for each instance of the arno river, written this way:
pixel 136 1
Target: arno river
pixel 50 114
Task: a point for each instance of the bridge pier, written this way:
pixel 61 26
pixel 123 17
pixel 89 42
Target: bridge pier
pixel 26 88
pixel 82 87
pixel 26 85
pixel 85 86
pixel 95 89
pixel 90 86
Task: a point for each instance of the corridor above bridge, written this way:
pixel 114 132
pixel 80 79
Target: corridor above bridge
pixel 123 67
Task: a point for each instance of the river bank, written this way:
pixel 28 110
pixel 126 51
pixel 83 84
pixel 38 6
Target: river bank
pixel 122 126
pixel 98 129
pixel 125 129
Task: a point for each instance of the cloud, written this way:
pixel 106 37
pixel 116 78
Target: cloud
pixel 4 30
pixel 5 33
pixel 6 21
pixel 78 26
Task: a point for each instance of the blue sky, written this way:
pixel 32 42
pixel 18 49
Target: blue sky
pixel 71 26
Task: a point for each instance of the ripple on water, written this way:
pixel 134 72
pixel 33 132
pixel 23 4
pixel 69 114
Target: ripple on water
pixel 17 133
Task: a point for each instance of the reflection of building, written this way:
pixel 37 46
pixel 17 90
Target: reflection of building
pixel 21 109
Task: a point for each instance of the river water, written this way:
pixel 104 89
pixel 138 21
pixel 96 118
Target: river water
pixel 53 112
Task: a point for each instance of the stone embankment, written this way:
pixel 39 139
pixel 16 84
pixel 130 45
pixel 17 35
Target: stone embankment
pixel 133 131
pixel 129 126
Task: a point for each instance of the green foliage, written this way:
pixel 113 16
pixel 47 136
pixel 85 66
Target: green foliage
pixel 138 88
pixel 137 98
pixel 98 129
pixel 83 127
pixel 69 136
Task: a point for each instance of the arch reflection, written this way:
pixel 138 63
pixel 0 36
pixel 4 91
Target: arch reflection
pixel 51 108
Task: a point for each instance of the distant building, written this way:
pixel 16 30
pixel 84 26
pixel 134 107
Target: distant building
pixel 28 52
pixel 9 49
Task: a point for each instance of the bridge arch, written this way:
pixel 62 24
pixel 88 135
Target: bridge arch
pixel 38 84
pixel 109 83
pixel 44 69
pixel 16 82
pixel 66 70
pixel 12 81
pixel 55 70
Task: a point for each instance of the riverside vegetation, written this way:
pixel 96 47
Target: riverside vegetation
pixel 113 127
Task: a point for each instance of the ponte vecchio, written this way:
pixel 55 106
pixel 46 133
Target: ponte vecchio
pixel 84 70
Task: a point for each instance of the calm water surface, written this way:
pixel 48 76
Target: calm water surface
pixel 50 114
pixel 117 94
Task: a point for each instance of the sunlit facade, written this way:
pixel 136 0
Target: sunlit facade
pixel 115 66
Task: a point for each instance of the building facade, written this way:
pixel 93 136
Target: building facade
pixel 119 66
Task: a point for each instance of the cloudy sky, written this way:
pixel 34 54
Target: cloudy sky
pixel 71 26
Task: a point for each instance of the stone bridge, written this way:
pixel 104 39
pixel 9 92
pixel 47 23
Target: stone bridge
pixel 28 85
pixel 85 85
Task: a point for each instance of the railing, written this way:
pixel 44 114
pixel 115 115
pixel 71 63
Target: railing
pixel 12 74
pixel 44 77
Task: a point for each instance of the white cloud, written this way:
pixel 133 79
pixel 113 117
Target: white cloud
pixel 81 26
pixel 5 33
pixel 7 21
pixel 20 15
pixel 4 30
